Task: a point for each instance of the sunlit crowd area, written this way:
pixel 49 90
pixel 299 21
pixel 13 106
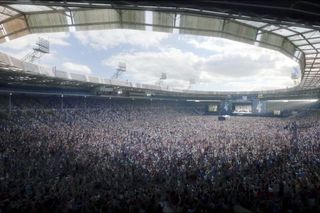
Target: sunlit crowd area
pixel 153 156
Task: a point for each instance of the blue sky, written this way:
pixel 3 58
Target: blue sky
pixel 215 64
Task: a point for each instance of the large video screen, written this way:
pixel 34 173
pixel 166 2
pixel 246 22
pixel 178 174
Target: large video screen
pixel 212 108
pixel 243 108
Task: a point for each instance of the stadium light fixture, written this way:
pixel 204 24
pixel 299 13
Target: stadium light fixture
pixel 42 47
pixel 122 67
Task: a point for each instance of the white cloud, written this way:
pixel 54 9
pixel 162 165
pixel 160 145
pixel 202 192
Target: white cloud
pixel 112 38
pixel 229 48
pixel 20 47
pixel 146 67
pixel 76 68
pixel 215 64
pixel 27 42
pixel 59 39
pixel 231 66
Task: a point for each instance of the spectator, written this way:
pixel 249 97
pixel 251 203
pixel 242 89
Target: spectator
pixel 161 157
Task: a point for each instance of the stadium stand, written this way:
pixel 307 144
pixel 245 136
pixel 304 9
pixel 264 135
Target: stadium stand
pixel 78 143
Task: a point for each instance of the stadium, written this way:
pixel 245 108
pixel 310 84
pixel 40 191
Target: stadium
pixel 82 142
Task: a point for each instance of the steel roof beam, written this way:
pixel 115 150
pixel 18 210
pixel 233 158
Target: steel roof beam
pixel 272 11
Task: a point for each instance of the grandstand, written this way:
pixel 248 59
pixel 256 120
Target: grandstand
pixel 80 143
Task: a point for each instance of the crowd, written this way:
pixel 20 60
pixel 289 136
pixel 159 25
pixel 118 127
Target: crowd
pixel 137 156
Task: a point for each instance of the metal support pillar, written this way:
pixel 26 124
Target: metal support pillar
pixel 61 101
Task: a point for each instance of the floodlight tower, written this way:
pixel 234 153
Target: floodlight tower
pixel 42 47
pixel 122 67
pixel 163 77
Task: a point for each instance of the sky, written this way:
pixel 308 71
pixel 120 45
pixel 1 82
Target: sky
pixel 211 64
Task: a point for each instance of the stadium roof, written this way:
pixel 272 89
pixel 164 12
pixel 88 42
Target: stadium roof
pixel 290 27
pixel 304 12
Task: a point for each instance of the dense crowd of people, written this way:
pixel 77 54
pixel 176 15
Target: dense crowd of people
pixel 138 156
